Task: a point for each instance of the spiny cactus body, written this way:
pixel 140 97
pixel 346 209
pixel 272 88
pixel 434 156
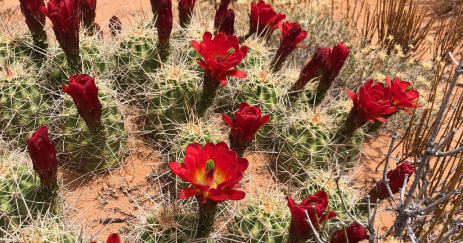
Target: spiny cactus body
pixel 136 57
pixel 305 145
pixel 261 221
pixel 91 151
pixel 171 101
pixel 169 227
pixel 23 104
pixel 262 89
pixel 21 194
pixel 15 48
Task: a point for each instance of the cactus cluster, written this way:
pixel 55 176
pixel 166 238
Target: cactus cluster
pixel 204 96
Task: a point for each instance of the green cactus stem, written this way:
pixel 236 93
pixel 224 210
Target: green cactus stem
pixel 207 213
pixel 163 52
pixel 40 48
pixel 210 86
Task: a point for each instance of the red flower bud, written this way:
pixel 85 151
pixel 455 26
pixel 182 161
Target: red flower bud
pixel 97 30
pixel 113 238
pixel 228 24
pixel 244 127
pixel 87 10
pixel 332 64
pixel 220 14
pixel 372 101
pixel 311 69
pixel 221 54
pixel 43 154
pixel 355 233
pixel 299 230
pixel 185 10
pixel 155 7
pixel 396 179
pixel 64 14
pixel 35 19
pixel 214 172
pixel 164 22
pixel 263 20
pixel 403 93
pixel 115 25
pixel 84 93
pixel 292 36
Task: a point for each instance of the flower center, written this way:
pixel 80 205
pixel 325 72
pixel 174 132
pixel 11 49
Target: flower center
pixel 210 164
pixel 220 59
pixel 408 88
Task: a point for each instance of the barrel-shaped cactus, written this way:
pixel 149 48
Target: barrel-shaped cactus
pixel 15 47
pixel 262 88
pixel 261 221
pixel 87 150
pixel 24 105
pixel 169 227
pixel 171 100
pixel 22 198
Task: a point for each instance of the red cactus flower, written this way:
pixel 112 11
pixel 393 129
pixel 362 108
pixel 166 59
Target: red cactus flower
pixel 403 93
pixel 87 11
pixel 164 22
pixel 214 172
pixel 220 14
pixel 244 127
pixel 292 36
pixel 113 238
pixel 396 179
pixel 220 55
pixel 263 20
pixel 311 69
pixel 83 90
pixel 299 230
pixel 185 10
pixel 355 233
pixel 64 14
pixel 35 19
pixel 115 25
pixel 372 101
pixel 43 154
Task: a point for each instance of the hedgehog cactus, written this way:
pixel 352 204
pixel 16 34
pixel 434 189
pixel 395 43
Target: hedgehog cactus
pixel 261 89
pixel 324 180
pixel 305 145
pixel 135 57
pixel 261 221
pixel 171 101
pixel 169 227
pixel 23 104
pixel 20 195
pixel 15 48
pixel 86 149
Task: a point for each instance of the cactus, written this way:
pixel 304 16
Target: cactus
pixel 171 100
pixel 305 145
pixel 22 199
pixel 23 106
pixel 87 151
pixel 169 227
pixel 324 180
pixel 95 61
pixel 261 88
pixel 136 57
pixel 15 48
pixel 261 221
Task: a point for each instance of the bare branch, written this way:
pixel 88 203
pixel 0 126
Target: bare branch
pixel 435 203
pixel 312 228
pixel 448 153
pixel 449 136
pixel 344 205
pixel 384 179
